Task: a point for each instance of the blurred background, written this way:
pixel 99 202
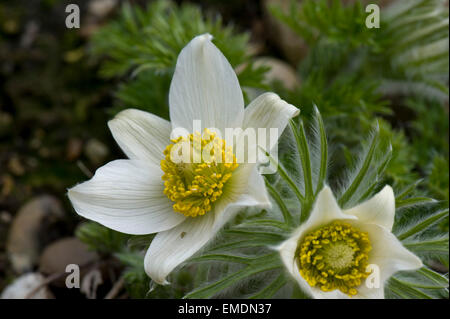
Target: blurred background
pixel 60 86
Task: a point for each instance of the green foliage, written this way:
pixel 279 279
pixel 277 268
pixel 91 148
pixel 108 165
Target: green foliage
pixel 136 280
pixel 137 94
pixel 143 44
pixel 408 54
pixel 417 48
pixel 399 71
pixel 419 228
pixel 420 284
pixel 430 142
pixel 139 285
pixel 438 177
pixel 315 20
pixel 152 38
pixel 100 238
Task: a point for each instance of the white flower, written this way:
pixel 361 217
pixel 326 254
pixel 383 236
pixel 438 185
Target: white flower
pixel 130 195
pixel 335 242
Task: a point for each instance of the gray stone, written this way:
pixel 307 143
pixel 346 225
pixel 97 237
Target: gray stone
pixel 96 151
pixel 24 285
pixel 63 252
pixel 291 44
pixel 29 231
pixel 279 71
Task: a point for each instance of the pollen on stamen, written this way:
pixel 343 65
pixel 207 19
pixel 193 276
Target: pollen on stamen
pixel 197 179
pixel 333 257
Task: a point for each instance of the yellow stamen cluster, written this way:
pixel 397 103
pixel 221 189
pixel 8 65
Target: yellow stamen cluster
pixel 335 256
pixel 198 180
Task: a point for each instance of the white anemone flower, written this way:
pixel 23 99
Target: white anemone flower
pixel 184 204
pixel 347 253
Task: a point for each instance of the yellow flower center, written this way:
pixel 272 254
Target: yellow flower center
pixel 196 169
pixel 335 256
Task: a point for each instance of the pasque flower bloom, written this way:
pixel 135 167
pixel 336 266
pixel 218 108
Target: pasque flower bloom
pixel 186 204
pixel 335 251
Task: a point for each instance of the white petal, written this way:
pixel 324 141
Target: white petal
pixel 246 188
pixel 127 196
pixel 257 190
pixel 388 254
pixel 172 247
pixel 365 292
pixel 325 210
pixel 380 209
pixel 246 181
pixel 287 253
pixel 335 294
pixel 205 87
pixel 141 135
pixel 269 111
